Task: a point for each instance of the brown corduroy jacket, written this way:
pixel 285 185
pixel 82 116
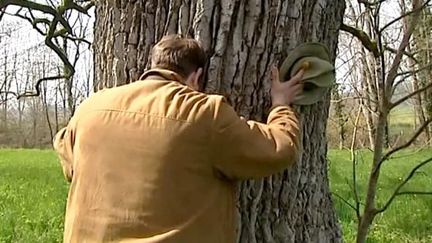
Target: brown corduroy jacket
pixel 154 161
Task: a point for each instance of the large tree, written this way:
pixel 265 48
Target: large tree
pixel 242 38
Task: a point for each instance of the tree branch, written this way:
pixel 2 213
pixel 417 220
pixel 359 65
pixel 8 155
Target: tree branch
pixel 408 74
pixel 6 93
pixel 351 98
pixel 363 37
pixel 40 7
pixel 76 39
pixel 403 99
pixel 402 46
pixel 397 191
pixel 37 86
pixel 345 201
pixel 405 145
pixel 40 21
pixel 394 51
pixel 412 72
pixel 70 70
pixel 415 10
pixel 6 99
pixel 17 14
pixel 370 4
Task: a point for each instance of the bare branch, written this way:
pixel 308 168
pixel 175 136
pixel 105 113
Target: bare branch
pixel 37 86
pixel 403 99
pixel 405 145
pixel 351 98
pixel 69 70
pixel 415 10
pixel 345 201
pixel 40 7
pixel 402 46
pixel 76 39
pixel 37 21
pixel 397 191
pixel 408 74
pixel 31 21
pixel 412 72
pixel 3 101
pixel 370 4
pixel 6 93
pixel 363 37
pixel 394 51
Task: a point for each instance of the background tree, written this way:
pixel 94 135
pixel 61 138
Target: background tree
pixel 421 67
pixel 387 71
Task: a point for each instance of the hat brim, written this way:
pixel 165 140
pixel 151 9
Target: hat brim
pixel 311 49
pixel 325 80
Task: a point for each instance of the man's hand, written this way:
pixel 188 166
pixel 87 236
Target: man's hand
pixel 284 93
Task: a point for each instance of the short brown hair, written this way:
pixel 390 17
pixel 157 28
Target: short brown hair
pixel 178 54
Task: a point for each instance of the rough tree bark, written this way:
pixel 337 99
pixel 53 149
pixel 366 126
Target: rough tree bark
pixel 423 47
pixel 242 38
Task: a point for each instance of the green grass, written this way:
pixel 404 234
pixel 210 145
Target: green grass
pixel 402 116
pixel 408 219
pixel 33 195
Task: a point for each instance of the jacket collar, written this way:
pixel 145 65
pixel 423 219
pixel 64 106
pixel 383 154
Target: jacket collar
pixel 163 74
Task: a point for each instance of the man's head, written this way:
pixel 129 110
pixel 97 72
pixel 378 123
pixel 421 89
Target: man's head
pixel 185 56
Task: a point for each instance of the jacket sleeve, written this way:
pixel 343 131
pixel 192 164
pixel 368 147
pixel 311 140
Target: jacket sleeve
pixel 249 149
pixel 63 144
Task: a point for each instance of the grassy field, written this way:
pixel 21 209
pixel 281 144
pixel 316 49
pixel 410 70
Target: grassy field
pixel 408 219
pixel 33 193
pixel 32 196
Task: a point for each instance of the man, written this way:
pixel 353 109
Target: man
pixel 157 160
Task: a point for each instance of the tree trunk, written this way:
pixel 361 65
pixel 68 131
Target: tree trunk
pixel 242 39
pixel 68 86
pixel 56 120
pixel 340 117
pixel 46 109
pixel 423 47
pixel 426 58
pixel 369 94
pixel 34 123
pixel 70 97
pixel 418 101
pixel 6 86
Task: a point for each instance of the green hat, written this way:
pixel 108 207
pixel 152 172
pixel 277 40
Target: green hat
pixel 319 72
